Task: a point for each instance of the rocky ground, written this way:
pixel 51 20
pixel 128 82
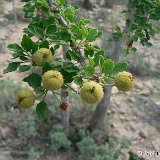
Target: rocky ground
pixel 135 114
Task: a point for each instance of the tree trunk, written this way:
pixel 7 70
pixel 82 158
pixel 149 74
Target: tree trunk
pixel 64 98
pixel 100 112
pixel 65 114
pixel 97 121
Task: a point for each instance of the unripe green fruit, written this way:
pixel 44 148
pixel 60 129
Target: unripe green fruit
pixel 52 80
pixel 25 98
pixel 91 92
pixel 124 81
pixel 41 56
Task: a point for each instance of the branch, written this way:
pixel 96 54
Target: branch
pixel 63 23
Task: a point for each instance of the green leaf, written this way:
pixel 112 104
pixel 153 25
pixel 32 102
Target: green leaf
pixel 101 60
pixel 44 44
pixel 57 46
pixel 64 35
pixel 68 77
pixel 99 34
pixel 70 13
pixel 80 32
pixel 83 22
pixel 119 67
pixel 93 35
pixel 89 51
pixel 55 37
pixel 97 57
pixel 11 67
pixel 27 43
pixel 34 48
pixel 116 36
pixel 19 55
pixel 51 20
pixel 72 55
pixel 57 67
pixel 51 29
pixel 78 80
pixel 108 66
pixel 15 47
pixel 23 58
pixel 91 61
pixel 60 2
pixel 24 68
pixel 70 68
pixel 40 90
pixel 41 111
pixel 47 67
pixel 148 44
pixel 39 32
pixel 34 80
pixel 41 3
pixel 71 17
pixel 89 71
pixel 118 29
pixel 133 50
pixel 45 9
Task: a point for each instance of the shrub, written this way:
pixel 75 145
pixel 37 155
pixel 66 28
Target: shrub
pixel 88 149
pixel 34 154
pixel 27 128
pixel 7 90
pixel 58 139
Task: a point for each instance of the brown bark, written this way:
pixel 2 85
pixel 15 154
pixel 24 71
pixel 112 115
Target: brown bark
pixel 64 98
pixel 99 114
pixel 65 114
pixel 97 121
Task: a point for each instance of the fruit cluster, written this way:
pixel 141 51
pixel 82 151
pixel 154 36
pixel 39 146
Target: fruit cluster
pixel 91 92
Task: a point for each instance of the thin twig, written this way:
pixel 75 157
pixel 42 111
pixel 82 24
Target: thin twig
pixel 71 88
pixel 56 97
pixel 45 95
pixel 108 85
pixel 42 94
pixel 63 23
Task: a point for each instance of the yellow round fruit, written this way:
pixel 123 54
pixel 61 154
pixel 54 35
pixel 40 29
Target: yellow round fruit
pixel 91 92
pixel 25 98
pixel 52 80
pixel 124 81
pixel 41 56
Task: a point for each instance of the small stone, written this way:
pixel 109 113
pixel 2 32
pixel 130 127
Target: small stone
pixel 109 112
pixel 100 20
pixel 158 103
pixel 122 112
pixel 122 117
pixel 115 90
pixel 131 100
pixel 142 135
pixel 113 125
